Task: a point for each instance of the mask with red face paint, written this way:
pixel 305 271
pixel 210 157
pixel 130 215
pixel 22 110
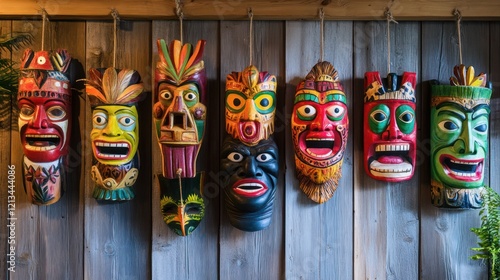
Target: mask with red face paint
pixel 319 131
pixel 390 127
pixel 44 101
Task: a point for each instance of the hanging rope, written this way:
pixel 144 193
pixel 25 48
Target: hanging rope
pixel 389 19
pixel 114 13
pixel 250 40
pixel 179 172
pixel 180 15
pixel 458 16
pixel 44 19
pixel 322 34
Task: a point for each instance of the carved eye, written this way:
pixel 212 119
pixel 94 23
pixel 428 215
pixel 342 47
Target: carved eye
pixel 56 113
pixel 481 128
pixel 27 111
pixel 235 157
pixel 378 115
pixel 406 117
pixel 100 119
pixel 189 96
pixel 235 102
pixel 126 121
pixel 335 112
pixel 448 126
pixel 264 102
pixel 167 95
pixel 264 157
pixel 306 112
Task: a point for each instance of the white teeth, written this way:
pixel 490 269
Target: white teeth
pixel 388 170
pixel 109 156
pixel 39 148
pixel 468 174
pixel 41 136
pixel 320 156
pixel 319 139
pixel 463 162
pixel 390 148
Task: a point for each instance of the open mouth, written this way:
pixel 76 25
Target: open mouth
pixel 249 188
pixel 249 130
pixel 461 169
pixel 391 161
pixel 42 142
pixel 320 147
pixel 111 150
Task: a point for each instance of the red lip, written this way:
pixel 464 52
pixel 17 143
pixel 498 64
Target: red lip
pixel 250 187
pixel 249 131
pixel 462 169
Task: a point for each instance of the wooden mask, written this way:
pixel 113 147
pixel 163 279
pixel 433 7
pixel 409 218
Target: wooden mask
pixel 179 117
pixel 459 140
pixel 44 101
pixel 250 105
pixel 113 95
pixel 390 127
pixel 320 127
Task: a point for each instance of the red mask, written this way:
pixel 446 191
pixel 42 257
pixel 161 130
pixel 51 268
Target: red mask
pixel 390 127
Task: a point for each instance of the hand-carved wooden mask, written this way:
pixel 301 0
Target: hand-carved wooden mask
pixel 115 134
pixel 390 127
pixel 179 117
pixel 250 105
pixel 320 127
pixel 459 140
pixel 44 101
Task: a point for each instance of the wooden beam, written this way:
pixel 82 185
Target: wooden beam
pixel 263 10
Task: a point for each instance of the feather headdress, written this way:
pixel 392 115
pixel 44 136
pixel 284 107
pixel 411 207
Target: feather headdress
pixel 179 62
pixel 115 86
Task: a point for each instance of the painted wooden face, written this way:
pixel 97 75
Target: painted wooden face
pixel 178 112
pixel 251 183
pixel 459 136
pixel 115 133
pixel 390 127
pixel 250 105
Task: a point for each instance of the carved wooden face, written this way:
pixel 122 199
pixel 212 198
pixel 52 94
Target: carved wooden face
pixel 44 101
pixel 459 135
pixel 390 127
pixel 250 105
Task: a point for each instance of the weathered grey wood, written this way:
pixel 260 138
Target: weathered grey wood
pixel 318 238
pixel 194 256
pixel 117 235
pixel 386 214
pixel 445 236
pixel 253 255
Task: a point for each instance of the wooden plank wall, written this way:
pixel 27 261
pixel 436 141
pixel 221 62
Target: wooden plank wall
pixel 368 230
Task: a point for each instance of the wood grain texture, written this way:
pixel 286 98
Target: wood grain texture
pixel 318 238
pixel 283 10
pixel 386 225
pixel 117 235
pixel 494 77
pixel 445 236
pixel 194 256
pixel 253 255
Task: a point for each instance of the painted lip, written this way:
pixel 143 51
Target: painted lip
pixel 250 187
pixel 249 131
pixel 468 170
pixel 111 150
pixel 41 142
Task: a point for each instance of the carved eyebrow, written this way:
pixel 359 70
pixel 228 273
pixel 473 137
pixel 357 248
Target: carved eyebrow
pixel 480 112
pixel 125 110
pixel 306 97
pixel 452 111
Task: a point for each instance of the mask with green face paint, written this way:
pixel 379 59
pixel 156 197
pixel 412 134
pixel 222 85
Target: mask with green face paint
pixel 115 134
pixel 459 143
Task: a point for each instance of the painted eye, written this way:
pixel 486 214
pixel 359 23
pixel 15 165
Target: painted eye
pixel 126 121
pixel 378 116
pixel 235 157
pixel 448 126
pixel 100 119
pixel 56 113
pixel 335 112
pixel 167 95
pixel 27 111
pixel 481 128
pixel 264 103
pixel 306 112
pixel 235 102
pixel 264 157
pixel 189 96
pixel 406 117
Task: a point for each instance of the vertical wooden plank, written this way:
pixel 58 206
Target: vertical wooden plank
pixel 494 76
pixel 386 214
pixel 445 234
pixel 319 238
pixel 117 235
pixel 194 256
pixel 254 255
